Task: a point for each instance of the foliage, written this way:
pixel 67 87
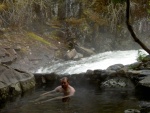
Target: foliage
pixel 2 7
pixel 95 17
pixel 115 15
pixel 148 10
pixel 118 1
pixel 21 12
pixel 141 56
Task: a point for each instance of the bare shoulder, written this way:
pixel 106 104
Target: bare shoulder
pixel 72 89
pixel 58 89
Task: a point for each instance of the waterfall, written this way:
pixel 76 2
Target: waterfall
pixel 98 61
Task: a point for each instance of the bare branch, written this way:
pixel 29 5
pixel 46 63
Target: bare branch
pixel 131 29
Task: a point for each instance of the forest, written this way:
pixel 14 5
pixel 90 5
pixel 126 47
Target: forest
pixel 76 21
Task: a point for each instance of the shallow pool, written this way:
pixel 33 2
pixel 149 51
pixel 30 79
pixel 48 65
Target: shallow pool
pixel 86 100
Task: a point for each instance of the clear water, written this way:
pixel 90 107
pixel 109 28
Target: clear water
pixel 98 61
pixel 86 100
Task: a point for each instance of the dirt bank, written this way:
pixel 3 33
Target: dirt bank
pixel 28 50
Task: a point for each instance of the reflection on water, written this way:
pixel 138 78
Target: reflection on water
pixel 86 100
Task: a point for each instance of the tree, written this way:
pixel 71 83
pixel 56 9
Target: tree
pixel 131 29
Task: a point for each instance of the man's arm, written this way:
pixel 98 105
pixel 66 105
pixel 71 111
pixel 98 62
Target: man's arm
pixel 49 92
pixel 60 97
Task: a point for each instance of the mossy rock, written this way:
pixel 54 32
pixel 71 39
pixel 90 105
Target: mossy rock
pixel 146 59
pixel 40 39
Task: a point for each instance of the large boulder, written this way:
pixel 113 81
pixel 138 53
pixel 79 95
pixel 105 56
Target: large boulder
pixel 70 54
pixel 13 81
pixel 116 70
pixel 73 54
pixel 145 82
pixel 141 77
pixel 84 51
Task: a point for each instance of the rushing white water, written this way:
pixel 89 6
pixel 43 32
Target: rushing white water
pixel 99 61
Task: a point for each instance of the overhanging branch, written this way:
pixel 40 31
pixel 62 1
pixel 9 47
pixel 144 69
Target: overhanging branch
pixel 131 29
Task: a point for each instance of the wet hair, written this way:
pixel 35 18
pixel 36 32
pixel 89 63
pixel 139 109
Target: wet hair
pixel 64 79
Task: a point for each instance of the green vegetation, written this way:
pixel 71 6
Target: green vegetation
pixel 2 7
pixel 141 56
pixel 77 19
pixel 36 37
pixel 40 39
pixel 21 12
pixel 148 10
pixel 118 1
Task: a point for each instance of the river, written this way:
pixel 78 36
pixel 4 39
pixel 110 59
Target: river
pixel 98 61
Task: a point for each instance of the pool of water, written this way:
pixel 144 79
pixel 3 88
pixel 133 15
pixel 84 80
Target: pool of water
pixel 86 100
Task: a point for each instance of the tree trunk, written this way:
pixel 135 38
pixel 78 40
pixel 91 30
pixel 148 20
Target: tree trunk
pixel 131 29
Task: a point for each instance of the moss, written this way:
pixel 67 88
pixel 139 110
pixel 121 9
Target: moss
pixel 28 84
pixel 2 7
pixel 40 39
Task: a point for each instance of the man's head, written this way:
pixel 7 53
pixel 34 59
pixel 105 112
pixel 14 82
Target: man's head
pixel 64 82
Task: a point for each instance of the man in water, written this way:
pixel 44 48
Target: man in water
pixel 64 88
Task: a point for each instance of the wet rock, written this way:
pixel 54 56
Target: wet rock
pixel 88 74
pixel 146 59
pixel 132 111
pixel 115 67
pixel 45 77
pixel 70 54
pixel 114 83
pixel 51 76
pixel 100 74
pixel 140 77
pixel 118 82
pixel 116 70
pixel 78 56
pixel 145 107
pixel 111 73
pixel 73 54
pixel 84 51
pixel 96 75
pixel 135 65
pixel 145 82
pixel 13 81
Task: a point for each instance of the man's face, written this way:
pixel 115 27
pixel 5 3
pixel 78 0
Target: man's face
pixel 64 84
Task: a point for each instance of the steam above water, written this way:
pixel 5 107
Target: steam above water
pixel 98 61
